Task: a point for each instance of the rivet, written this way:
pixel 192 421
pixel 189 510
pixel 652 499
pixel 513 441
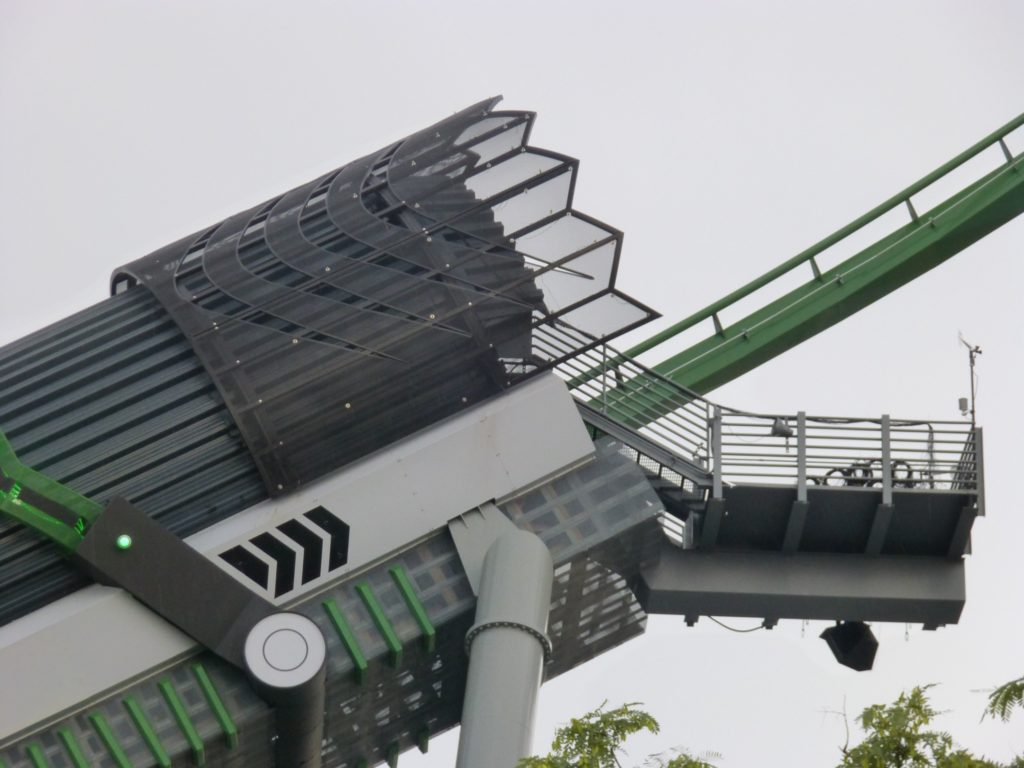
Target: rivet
pixel 295 341
pixel 327 269
pixel 348 405
pixel 429 239
pixel 432 316
pixel 280 487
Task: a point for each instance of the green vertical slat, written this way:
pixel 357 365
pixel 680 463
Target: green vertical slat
pixel 348 639
pixel 71 746
pixel 184 722
pixel 423 739
pixel 109 740
pixel 216 705
pixel 381 621
pixel 393 754
pixel 37 756
pixel 415 607
pixel 147 731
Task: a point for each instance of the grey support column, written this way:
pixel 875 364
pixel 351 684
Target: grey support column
pixel 285 654
pixel 507 646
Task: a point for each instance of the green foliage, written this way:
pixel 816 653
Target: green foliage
pixel 897 736
pixel 1004 698
pixel 594 740
pixel 681 759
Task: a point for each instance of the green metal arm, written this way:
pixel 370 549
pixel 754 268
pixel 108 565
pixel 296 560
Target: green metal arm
pixel 42 503
pixel 926 241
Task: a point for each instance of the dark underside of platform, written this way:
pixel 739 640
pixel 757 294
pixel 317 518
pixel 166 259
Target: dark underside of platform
pixel 920 522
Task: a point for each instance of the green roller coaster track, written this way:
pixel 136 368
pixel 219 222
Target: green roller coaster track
pixel 927 240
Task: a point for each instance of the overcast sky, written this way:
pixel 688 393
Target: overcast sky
pixel 722 137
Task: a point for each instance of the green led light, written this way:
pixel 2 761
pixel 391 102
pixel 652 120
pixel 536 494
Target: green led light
pixel 124 541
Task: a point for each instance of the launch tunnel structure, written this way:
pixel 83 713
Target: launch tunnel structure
pixel 328 405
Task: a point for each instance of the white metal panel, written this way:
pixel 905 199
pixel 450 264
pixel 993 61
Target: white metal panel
pixel 389 500
pixel 416 485
pixel 74 649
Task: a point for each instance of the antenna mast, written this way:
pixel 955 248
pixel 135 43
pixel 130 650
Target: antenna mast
pixel 972 351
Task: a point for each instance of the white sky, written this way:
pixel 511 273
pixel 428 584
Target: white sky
pixel 721 137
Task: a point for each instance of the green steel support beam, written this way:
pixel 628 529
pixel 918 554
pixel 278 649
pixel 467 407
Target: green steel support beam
pixel 828 297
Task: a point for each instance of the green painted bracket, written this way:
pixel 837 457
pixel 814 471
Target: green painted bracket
pixel 110 741
pixel 43 504
pixel 184 721
pixel 37 755
pixel 71 746
pixel 380 620
pixel 348 640
pixel 148 732
pixel 220 712
pixel 415 607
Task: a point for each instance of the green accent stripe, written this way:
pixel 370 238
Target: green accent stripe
pixel 415 607
pixel 26 479
pixel 37 756
pixel 393 754
pixel 217 706
pixel 423 739
pixel 147 731
pixel 109 740
pixel 381 621
pixel 184 722
pixel 348 639
pixel 72 748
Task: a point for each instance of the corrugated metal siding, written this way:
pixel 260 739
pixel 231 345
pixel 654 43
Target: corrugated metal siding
pixel 112 402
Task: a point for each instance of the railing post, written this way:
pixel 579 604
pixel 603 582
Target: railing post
pixel 979 469
pixel 886 461
pixel 716 452
pixel 604 379
pixel 801 456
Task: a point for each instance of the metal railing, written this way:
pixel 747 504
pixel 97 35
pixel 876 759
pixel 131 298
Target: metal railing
pixel 880 453
pixel 735 447
pixel 628 393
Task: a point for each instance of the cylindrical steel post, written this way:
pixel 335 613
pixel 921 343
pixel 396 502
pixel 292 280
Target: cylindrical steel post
pixel 507 647
pixel 286 654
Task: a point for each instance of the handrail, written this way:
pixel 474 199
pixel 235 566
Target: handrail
pixel 901 198
pixel 732 445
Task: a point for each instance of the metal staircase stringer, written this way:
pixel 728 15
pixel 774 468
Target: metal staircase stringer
pixel 689 470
